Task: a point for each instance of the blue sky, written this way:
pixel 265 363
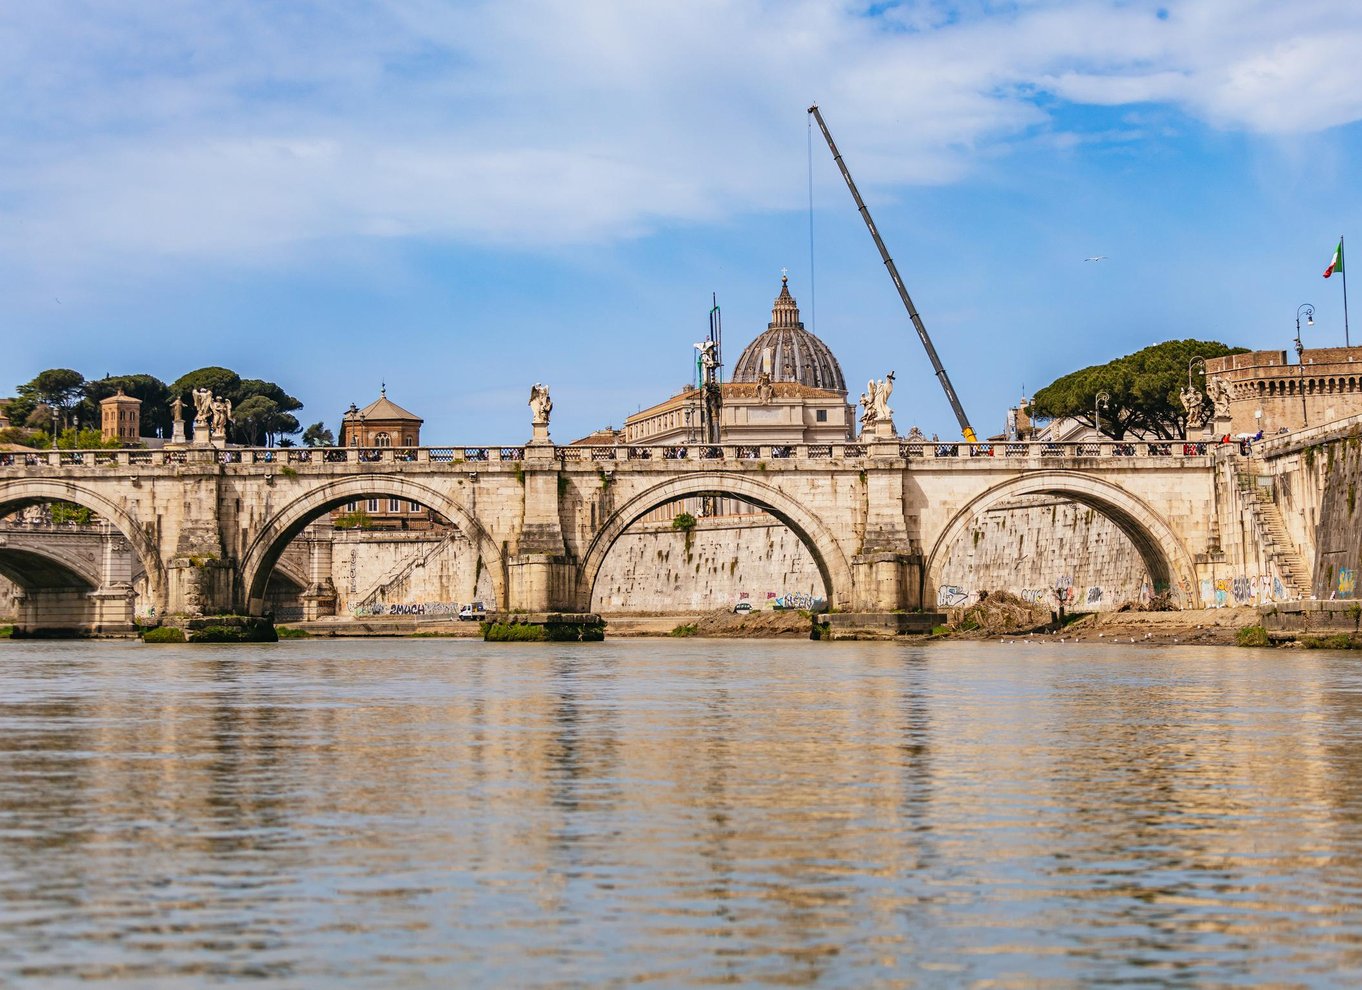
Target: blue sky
pixel 461 199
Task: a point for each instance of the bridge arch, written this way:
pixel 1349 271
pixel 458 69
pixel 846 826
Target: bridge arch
pixel 822 544
pixel 31 569
pixel 265 547
pixel 1162 551
pixel 23 492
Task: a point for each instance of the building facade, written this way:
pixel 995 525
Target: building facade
pixel 383 423
pixel 120 418
pixel 787 387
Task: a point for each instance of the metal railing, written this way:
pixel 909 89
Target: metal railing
pixel 910 450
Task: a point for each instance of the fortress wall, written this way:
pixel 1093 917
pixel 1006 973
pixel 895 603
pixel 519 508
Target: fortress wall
pixel 1032 546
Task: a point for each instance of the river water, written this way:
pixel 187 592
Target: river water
pixel 411 813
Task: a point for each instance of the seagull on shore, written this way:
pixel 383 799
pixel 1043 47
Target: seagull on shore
pixel 1100 257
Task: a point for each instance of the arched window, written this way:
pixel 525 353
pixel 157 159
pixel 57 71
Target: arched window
pixel 382 440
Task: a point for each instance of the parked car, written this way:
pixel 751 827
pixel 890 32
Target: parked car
pixel 742 608
pixel 473 612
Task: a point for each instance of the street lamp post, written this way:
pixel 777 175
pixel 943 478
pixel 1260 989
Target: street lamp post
pixel 1191 367
pixel 1309 312
pixel 1098 402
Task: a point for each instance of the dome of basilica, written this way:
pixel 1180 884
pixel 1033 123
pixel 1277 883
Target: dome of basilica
pixel 788 351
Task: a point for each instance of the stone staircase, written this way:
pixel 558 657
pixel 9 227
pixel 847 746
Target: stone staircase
pixel 1280 549
pixel 386 584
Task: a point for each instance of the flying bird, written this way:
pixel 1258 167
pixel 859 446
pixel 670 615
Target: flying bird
pixel 1100 257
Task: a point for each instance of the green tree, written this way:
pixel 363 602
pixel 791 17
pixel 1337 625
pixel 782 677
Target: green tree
pixel 86 438
pixel 59 388
pixel 252 418
pixel 63 513
pixel 254 386
pixel 239 391
pixel 219 381
pixel 317 435
pixel 1144 390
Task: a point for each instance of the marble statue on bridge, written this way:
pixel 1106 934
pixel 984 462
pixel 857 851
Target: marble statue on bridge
pixel 1195 405
pixel 540 408
pixel 222 415
pixel 540 405
pixel 868 404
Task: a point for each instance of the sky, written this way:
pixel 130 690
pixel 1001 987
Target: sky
pixel 462 199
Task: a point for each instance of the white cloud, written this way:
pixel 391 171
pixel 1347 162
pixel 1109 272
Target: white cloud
pixel 241 131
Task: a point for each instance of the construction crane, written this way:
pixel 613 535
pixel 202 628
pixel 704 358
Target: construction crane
pixel 941 375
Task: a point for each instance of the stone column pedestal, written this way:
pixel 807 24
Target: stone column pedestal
pixel 887 581
pixel 319 600
pixel 541 582
pixel 197 586
pixel 112 609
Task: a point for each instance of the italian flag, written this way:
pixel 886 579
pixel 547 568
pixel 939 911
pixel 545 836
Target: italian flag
pixel 1336 264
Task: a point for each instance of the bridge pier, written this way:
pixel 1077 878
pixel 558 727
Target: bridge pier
pixel 541 577
pixel 112 601
pixel 887 581
pixel 888 571
pixel 201 577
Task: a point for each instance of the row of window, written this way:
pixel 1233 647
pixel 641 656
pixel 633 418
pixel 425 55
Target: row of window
pixel 386 440
pixel 394 505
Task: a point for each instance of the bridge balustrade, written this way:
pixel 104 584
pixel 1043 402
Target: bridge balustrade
pixel 909 450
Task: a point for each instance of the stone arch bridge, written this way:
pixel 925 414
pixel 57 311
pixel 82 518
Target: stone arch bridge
pixel 209 525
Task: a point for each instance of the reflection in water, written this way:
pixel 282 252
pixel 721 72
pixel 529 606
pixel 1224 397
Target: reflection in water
pixel 437 813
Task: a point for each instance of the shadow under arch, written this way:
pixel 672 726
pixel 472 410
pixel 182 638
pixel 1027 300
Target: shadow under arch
pixel 1163 553
pixel 23 492
pixel 30 569
pixel 821 543
pixel 269 543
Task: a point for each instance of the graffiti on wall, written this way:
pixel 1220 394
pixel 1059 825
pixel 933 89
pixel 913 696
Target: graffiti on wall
pixel 1243 589
pixel 1347 582
pixel 951 595
pixel 404 608
pixel 796 599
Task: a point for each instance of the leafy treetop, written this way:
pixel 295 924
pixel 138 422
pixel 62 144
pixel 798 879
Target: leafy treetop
pixel 1144 389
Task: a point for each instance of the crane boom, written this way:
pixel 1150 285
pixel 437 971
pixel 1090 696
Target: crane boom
pixel 941 375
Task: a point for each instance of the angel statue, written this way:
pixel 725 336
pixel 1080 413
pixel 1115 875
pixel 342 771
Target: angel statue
pixel 1220 397
pixel 1195 404
pixel 540 405
pixel 868 403
pixel 881 398
pixel 203 405
pixel 222 414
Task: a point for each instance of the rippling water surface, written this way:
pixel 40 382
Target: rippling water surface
pixel 444 813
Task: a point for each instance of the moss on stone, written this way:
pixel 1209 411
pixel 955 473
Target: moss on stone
pixel 163 634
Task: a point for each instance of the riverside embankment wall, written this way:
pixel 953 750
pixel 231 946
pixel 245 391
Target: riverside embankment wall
pixel 1034 546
